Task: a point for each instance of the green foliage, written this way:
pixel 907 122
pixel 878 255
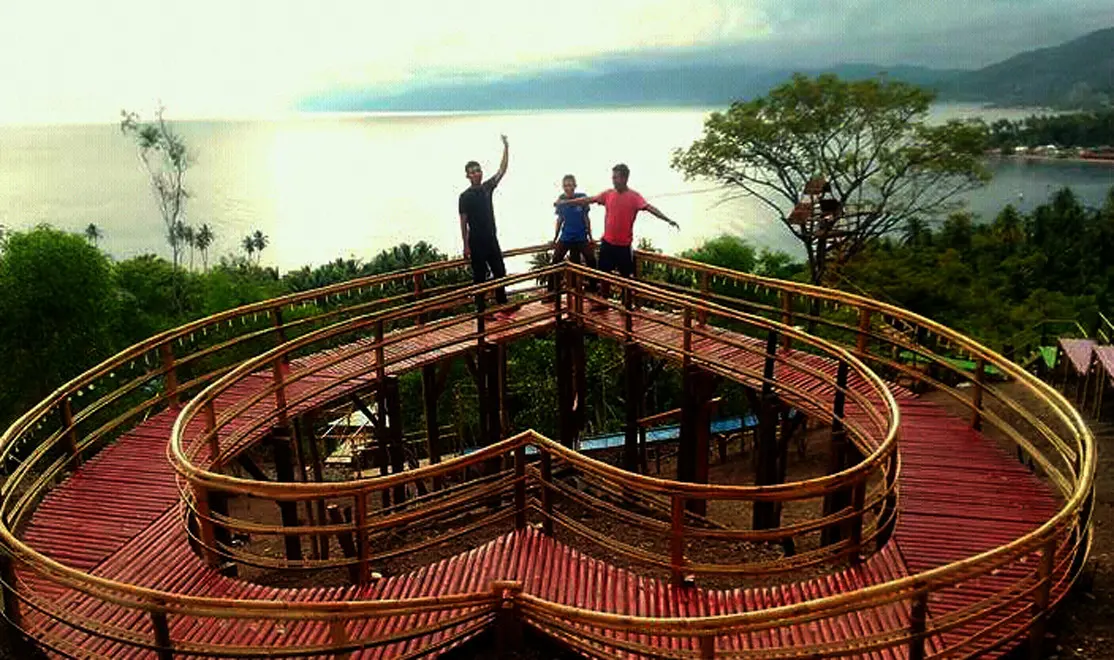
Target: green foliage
pixel 57 302
pixel 997 280
pixel 1080 129
pixel 869 139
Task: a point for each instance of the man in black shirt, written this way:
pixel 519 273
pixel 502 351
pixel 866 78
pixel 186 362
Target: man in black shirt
pixel 477 224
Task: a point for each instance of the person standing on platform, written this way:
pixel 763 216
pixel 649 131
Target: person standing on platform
pixel 622 205
pixel 572 234
pixel 477 224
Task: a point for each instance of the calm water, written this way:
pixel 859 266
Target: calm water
pixel 326 186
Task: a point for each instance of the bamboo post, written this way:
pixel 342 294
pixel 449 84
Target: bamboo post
pixel 508 627
pixel 520 487
pixel 765 514
pixel 918 624
pixel 419 282
pixel 632 367
pixel 976 393
pixel 392 408
pixel 702 316
pixel 864 331
pixel 164 648
pixel 71 431
pixel 628 316
pixel 309 433
pixel 565 383
pixel 686 339
pixel 432 429
pixel 280 329
pixel 786 317
pixel 363 551
pixel 837 460
pixel 214 436
pixel 288 511
pixel 677 540
pixel 338 638
pixel 166 352
pixel 547 492
pixel 205 526
pixel 1041 598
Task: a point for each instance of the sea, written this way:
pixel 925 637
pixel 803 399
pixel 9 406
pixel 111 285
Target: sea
pixel 323 186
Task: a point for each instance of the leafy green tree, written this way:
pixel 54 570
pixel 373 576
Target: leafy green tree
pixel 56 299
pixel 147 302
pixel 868 139
pixel 725 251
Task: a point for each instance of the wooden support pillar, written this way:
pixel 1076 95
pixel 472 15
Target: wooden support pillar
pixel 504 409
pixel 392 407
pixel 489 411
pixel 693 446
pixel 918 624
pixel 430 393
pixel 633 373
pixel 222 536
pixel 766 451
pixel 346 540
pixel 838 457
pixel 309 434
pixel 363 545
pixel 164 647
pixel 284 471
pixel 566 392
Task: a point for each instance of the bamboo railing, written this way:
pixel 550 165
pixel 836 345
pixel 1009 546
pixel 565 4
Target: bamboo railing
pixel 185 362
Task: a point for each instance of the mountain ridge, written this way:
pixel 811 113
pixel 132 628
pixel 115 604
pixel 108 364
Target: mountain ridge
pixel 1078 74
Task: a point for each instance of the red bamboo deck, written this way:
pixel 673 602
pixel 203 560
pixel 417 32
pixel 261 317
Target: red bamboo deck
pixel 117 517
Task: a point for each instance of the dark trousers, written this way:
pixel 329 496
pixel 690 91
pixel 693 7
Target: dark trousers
pixel 488 258
pixel 579 252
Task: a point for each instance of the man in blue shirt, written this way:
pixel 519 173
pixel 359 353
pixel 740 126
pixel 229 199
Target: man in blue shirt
pixel 572 234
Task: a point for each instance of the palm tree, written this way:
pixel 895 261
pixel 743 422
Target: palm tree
pixel 93 234
pixel 249 246
pixel 188 237
pixel 203 240
pixel 259 241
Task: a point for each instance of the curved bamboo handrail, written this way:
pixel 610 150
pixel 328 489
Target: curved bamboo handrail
pixel 1064 540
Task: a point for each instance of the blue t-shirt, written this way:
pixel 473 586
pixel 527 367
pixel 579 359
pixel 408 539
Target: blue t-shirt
pixel 574 227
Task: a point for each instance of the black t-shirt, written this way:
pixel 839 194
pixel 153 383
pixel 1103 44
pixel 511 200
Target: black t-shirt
pixel 475 204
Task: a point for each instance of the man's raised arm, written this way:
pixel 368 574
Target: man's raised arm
pixel 503 163
pixel 653 210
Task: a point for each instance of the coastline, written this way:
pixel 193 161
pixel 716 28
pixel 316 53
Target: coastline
pixel 1108 162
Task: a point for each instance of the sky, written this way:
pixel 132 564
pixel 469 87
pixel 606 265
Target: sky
pixel 84 61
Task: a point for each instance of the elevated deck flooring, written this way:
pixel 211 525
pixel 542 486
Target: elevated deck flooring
pixel 118 517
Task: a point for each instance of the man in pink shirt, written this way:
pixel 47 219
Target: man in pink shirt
pixel 623 205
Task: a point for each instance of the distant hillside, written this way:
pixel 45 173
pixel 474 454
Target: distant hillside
pixel 1075 75
pixel 617 86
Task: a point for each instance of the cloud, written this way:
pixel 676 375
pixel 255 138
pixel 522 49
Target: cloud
pixel 81 59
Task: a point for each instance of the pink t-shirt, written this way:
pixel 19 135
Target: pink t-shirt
pixel 622 207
